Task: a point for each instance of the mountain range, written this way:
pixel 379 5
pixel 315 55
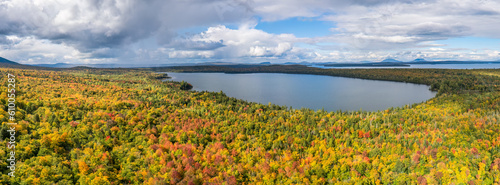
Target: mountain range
pixel 389 62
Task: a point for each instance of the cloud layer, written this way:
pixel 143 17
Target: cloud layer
pixel 223 42
pixel 100 31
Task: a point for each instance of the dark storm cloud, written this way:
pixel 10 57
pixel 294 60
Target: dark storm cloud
pixel 88 24
pixel 105 53
pixel 92 24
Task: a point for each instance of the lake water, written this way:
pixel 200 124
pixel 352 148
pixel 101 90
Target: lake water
pixel 309 91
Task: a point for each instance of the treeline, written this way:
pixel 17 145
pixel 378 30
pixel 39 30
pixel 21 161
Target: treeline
pixel 99 126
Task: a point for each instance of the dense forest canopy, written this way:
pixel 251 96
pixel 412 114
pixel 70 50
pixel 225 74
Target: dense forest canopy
pixel 125 126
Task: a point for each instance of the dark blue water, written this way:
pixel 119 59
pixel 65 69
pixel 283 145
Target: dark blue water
pixel 309 91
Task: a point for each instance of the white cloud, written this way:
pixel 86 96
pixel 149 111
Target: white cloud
pixel 90 24
pixel 29 50
pixel 48 31
pixel 408 24
pixel 242 42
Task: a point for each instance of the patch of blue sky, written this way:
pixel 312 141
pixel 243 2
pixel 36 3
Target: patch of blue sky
pixel 300 27
pixel 479 43
pixel 319 47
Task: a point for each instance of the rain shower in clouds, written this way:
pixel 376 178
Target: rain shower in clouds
pixel 154 31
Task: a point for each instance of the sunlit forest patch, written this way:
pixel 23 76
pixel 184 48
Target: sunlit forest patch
pixel 125 126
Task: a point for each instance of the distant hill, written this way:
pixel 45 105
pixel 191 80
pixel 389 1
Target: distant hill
pixel 56 65
pixel 388 60
pixel 83 67
pixel 6 61
pixel 419 60
pixel 11 64
pixel 373 64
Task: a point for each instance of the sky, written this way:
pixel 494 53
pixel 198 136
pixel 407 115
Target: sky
pixel 163 32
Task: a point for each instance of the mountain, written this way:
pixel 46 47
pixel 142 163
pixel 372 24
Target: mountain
pixel 10 64
pixel 5 61
pixel 56 65
pixel 390 60
pixel 419 60
pixel 373 64
pixel 435 62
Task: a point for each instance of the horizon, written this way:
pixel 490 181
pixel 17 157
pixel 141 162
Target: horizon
pixel 248 32
pixel 416 62
pixel 214 63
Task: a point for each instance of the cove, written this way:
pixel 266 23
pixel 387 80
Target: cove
pixel 309 91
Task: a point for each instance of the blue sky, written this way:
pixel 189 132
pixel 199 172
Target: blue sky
pixel 157 32
pixel 478 43
pixel 298 26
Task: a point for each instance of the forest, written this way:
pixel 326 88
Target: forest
pixel 127 126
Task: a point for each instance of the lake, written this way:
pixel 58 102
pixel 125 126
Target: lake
pixel 309 91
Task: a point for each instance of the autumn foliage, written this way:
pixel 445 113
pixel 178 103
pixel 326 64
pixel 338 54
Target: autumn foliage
pixel 124 126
